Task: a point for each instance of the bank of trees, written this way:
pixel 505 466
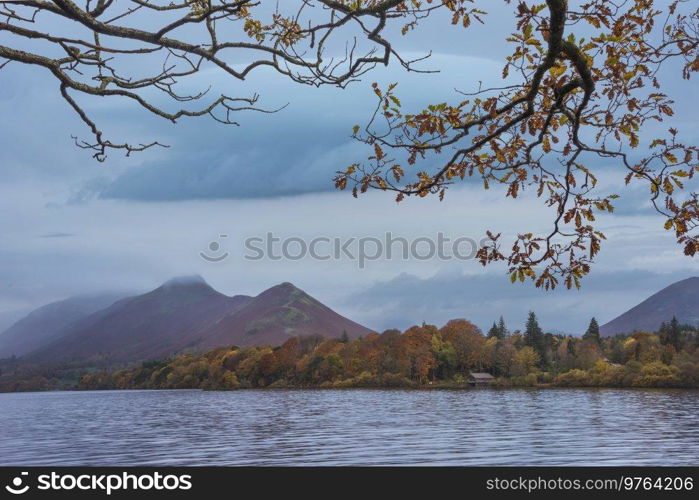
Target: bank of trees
pixel 426 355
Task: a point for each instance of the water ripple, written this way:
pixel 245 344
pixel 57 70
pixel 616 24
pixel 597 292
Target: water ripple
pixel 351 427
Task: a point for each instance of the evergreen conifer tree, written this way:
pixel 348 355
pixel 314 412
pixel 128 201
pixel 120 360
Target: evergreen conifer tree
pixel 592 332
pixel 534 335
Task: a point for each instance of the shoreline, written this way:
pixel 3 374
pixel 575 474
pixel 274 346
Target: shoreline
pixel 425 388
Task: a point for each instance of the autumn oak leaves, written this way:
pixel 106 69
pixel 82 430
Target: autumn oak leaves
pixel 576 104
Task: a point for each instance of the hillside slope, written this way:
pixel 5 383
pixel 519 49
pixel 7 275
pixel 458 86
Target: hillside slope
pixel 278 313
pixel 681 299
pixel 154 325
pixel 50 322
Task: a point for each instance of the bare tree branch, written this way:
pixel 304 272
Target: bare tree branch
pixel 90 48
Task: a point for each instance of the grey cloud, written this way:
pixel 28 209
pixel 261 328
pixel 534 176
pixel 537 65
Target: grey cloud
pixel 272 167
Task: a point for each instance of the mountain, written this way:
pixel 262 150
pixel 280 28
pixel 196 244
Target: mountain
pixel 154 325
pixel 278 313
pixel 51 321
pixel 680 299
pixel 187 315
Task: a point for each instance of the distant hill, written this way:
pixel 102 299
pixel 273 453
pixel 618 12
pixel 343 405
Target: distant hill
pixel 680 299
pixel 154 325
pixel 187 315
pixel 278 313
pixel 51 321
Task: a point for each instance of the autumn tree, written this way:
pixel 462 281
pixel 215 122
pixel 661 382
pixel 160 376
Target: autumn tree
pixel 445 358
pixel 416 346
pixel 285 357
pixel 643 347
pixel 587 354
pixel 468 342
pixel 525 361
pixel 500 353
pixel 566 354
pixel 582 87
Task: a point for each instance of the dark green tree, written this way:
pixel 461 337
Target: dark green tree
pixel 502 328
pixel 592 332
pixel 498 330
pixel 534 335
pixel 674 333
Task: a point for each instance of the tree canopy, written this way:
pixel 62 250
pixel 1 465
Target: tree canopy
pixel 424 356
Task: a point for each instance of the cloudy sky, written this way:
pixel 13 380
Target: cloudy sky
pixel 71 225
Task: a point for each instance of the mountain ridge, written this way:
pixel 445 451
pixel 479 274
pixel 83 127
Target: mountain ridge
pixel 186 314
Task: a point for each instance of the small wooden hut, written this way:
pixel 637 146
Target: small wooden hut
pixel 479 379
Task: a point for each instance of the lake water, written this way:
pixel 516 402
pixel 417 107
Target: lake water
pixel 351 427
